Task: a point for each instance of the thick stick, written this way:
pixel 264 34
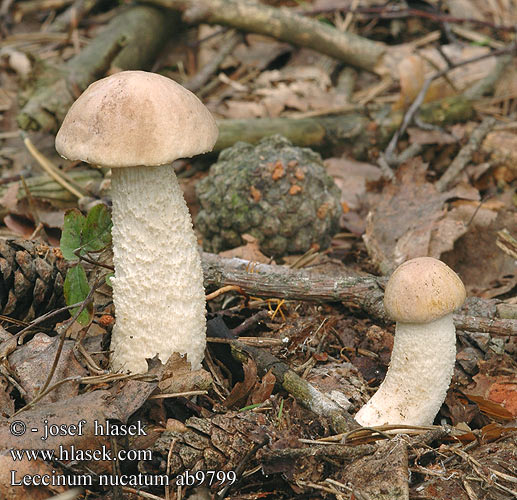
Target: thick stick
pixel 270 281
pixel 282 24
pixel 363 293
pixel 347 130
pixel 304 392
pixel 464 157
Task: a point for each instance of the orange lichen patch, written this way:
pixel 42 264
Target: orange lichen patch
pixel 506 394
pixel 372 127
pixel 106 320
pixel 345 207
pixel 299 174
pixel 255 193
pixel 278 171
pixel 292 163
pixel 295 189
pixel 322 211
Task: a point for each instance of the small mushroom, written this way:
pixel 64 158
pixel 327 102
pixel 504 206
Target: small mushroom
pixel 137 123
pixel 420 296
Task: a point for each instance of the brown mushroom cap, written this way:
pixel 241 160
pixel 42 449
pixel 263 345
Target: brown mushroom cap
pixel 422 290
pixel 136 118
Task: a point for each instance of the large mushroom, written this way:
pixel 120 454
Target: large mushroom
pixel 420 296
pixel 137 123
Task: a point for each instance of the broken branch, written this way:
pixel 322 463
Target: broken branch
pixel 283 24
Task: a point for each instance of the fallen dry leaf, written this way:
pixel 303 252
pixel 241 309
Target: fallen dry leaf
pixel 496 395
pixel 33 361
pixel 263 390
pixel 402 225
pixel 250 251
pixel 14 472
pixel 498 274
pixel 502 146
pixel 423 137
pixel 178 377
pixel 493 409
pixel 241 390
pixel 352 178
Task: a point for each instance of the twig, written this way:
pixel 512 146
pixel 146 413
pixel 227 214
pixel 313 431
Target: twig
pixel 507 243
pixel 363 293
pixel 345 452
pixel 65 328
pixel 465 155
pixel 387 172
pixel 77 253
pixel 408 117
pixel 385 12
pixel 49 167
pixel 254 341
pixel 281 282
pixel 91 380
pixel 79 350
pixel 232 39
pixel 130 40
pixel 42 394
pixel 73 14
pixel 222 290
pixel 493 326
pixel 23 8
pixel 178 394
pixel 240 467
pixel 4 7
pixel 252 320
pixel 140 493
pixel 44 317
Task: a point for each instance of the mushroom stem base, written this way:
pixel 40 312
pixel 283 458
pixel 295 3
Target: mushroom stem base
pixel 420 371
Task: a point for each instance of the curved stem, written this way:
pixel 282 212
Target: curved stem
pixel 420 371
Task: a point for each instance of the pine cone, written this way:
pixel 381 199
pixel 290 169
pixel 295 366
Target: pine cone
pixel 216 444
pixel 276 192
pixel 31 279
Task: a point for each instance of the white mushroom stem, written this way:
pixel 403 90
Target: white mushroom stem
pixel 158 285
pixel 420 371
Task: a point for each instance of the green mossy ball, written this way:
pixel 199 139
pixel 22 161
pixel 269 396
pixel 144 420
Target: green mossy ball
pixel 278 193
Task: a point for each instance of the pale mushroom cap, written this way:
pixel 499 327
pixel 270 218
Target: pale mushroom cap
pixel 136 118
pixel 422 290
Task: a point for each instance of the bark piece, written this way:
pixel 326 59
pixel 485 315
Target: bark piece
pixel 383 475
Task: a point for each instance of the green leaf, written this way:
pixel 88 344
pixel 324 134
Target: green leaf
pixel 96 233
pixel 76 289
pixel 71 235
pixel 86 234
pixel 250 407
pixel 108 279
